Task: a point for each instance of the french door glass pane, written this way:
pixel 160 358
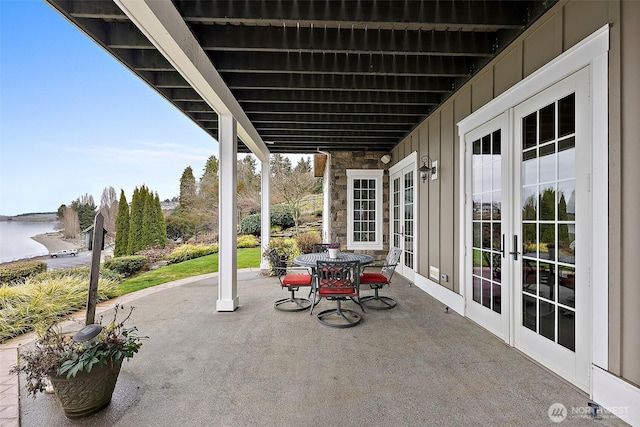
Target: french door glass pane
pixel 487 220
pixel 548 221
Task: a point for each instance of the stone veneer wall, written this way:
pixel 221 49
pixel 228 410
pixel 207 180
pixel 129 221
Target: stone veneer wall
pixel 340 162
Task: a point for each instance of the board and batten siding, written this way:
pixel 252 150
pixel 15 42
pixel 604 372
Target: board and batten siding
pixel 562 27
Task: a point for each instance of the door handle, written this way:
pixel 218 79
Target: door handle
pixel 515 248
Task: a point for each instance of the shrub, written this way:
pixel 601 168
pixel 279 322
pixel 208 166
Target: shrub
pixel 78 272
pixel 248 241
pixel 281 216
pixel 250 224
pixel 186 252
pixel 18 271
pixel 305 241
pixel 126 265
pixel 285 247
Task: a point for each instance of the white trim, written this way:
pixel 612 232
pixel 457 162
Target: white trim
pixel 600 211
pixel 411 159
pixel 375 174
pixel 447 297
pixel 616 395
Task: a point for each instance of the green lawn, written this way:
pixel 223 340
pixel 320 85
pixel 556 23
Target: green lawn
pixel 208 264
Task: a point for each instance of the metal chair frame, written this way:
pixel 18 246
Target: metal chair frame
pixel 337 281
pixel 376 301
pixel 284 273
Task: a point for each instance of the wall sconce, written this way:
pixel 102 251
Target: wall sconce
pixel 385 159
pixel 429 168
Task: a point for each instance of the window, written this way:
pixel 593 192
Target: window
pixel 364 209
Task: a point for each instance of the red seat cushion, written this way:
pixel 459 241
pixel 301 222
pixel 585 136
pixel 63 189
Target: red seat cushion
pixel 336 287
pixel 296 280
pixel 336 291
pixel 373 278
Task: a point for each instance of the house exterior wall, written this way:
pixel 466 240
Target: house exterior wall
pixel 339 162
pixel 566 24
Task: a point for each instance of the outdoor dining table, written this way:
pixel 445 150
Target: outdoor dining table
pixel 310 260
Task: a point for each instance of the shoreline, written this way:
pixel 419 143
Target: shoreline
pixel 54 241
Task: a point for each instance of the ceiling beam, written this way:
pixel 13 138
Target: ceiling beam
pixel 476 14
pixel 344 83
pixel 341 63
pixel 305 108
pixel 287 39
pixel 338 97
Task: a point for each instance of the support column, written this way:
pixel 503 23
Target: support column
pixel 265 209
pixel 227 244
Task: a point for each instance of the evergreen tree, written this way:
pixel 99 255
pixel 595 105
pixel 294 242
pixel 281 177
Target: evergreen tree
pixel 86 209
pixel 160 235
pixel 135 224
pixel 187 191
pixel 122 226
pixel 148 219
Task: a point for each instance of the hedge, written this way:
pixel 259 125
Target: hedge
pixel 18 271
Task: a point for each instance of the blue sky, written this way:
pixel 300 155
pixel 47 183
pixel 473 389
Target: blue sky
pixel 73 120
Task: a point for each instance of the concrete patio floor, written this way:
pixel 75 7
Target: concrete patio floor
pixel 415 365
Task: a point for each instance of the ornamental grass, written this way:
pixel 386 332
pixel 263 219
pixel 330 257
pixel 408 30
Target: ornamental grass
pixel 45 298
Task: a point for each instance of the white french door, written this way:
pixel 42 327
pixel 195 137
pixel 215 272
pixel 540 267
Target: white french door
pixel 402 180
pixel 487 287
pixel 552 218
pixel 528 226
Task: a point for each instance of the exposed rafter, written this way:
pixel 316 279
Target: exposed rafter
pixel 330 74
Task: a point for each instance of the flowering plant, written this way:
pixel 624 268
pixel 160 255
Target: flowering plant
pixel 333 246
pixel 56 353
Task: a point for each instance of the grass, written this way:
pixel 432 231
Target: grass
pixel 51 295
pixel 249 257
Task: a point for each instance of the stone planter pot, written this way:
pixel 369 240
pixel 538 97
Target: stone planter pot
pixel 333 253
pixel 87 393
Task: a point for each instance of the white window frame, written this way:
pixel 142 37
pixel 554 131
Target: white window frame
pixel 375 174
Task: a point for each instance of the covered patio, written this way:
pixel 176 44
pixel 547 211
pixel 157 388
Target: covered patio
pixel 415 365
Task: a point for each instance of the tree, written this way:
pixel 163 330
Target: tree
pixel 86 209
pixel 160 227
pixel 249 184
pixel 293 184
pixel 208 186
pixel 122 227
pixel 109 208
pixel 135 223
pixel 188 191
pixel 71 223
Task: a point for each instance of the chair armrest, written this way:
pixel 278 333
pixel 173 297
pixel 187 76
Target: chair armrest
pixel 372 266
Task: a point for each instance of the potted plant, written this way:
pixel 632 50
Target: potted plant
pixel 83 368
pixel 333 249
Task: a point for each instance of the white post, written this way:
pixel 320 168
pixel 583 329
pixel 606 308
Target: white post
pixel 265 229
pixel 227 253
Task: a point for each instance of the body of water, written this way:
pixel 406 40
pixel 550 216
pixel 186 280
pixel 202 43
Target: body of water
pixel 16 241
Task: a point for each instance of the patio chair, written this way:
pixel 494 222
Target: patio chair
pixel 292 278
pixel 337 281
pixel 377 280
